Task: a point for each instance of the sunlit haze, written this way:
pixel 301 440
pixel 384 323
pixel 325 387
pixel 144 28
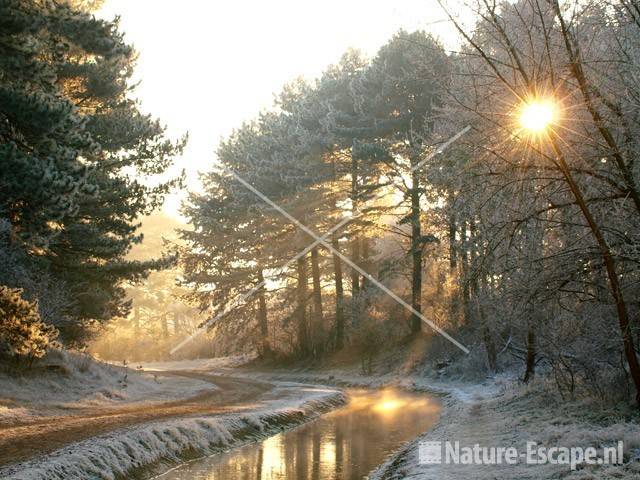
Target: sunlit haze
pixel 205 67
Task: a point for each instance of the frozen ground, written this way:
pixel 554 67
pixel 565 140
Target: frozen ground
pixel 494 412
pixel 512 417
pixel 84 419
pixel 67 384
pixel 161 444
pixel 202 364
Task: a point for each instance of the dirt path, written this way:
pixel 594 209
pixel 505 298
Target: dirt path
pixel 24 441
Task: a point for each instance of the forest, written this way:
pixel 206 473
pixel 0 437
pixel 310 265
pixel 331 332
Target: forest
pixel 519 238
pixel 482 202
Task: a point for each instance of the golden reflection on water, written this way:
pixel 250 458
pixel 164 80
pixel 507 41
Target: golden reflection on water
pixel 271 461
pixel 345 444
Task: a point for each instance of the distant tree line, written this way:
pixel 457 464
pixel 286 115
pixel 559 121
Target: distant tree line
pixel 159 318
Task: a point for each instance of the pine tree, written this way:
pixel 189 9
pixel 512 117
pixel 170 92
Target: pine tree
pixel 74 149
pixel 22 332
pixel 398 97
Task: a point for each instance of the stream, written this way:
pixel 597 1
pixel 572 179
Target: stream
pixel 346 444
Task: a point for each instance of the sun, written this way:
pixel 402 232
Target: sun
pixel 537 116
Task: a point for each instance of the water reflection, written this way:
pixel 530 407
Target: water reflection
pixel 345 444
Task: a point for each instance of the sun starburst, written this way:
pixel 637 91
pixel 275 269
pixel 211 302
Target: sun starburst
pixel 537 116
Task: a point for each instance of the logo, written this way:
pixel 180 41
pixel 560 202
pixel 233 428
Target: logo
pixel 452 453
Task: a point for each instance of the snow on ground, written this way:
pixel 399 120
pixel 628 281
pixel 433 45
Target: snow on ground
pixel 352 377
pixel 512 416
pixel 166 443
pixel 200 364
pixel 80 382
pixel 493 412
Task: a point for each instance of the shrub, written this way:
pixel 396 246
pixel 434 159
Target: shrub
pixel 22 332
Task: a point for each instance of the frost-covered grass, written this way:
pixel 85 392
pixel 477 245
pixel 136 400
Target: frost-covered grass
pixel 492 411
pixel 64 382
pixel 201 364
pixel 496 411
pixel 132 452
pixel 511 416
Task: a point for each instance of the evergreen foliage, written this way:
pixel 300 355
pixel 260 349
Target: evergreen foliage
pixel 22 332
pixel 523 244
pixel 77 157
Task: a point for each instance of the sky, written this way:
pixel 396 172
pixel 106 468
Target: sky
pixel 205 66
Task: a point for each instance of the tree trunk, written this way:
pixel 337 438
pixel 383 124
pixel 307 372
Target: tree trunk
pixel 587 89
pixel 466 291
pixel 303 329
pixel 177 323
pixel 165 326
pixel 337 275
pixel 365 262
pixel 454 308
pixel 453 259
pixel 416 255
pixel 366 266
pixel 355 241
pixel 355 276
pixel 473 255
pixel 317 301
pixel 259 462
pixel 490 346
pixel 530 369
pixel 610 266
pixel 487 337
pixel 265 347
pixel 533 241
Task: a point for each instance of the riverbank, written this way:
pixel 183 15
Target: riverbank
pixel 496 411
pixel 492 412
pixel 141 438
pixel 513 417
pixel 345 443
